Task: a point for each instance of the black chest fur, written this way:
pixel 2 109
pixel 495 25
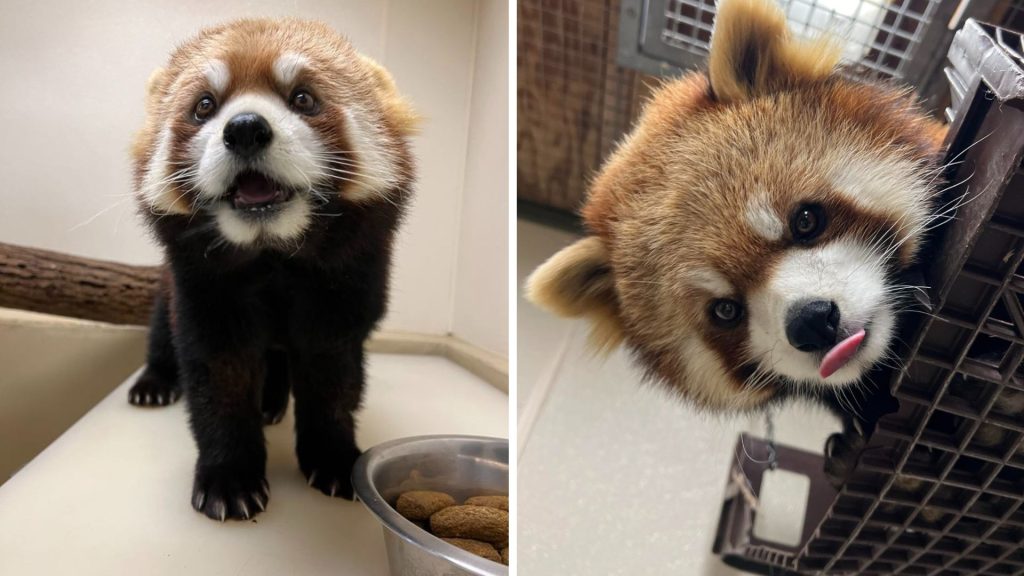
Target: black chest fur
pixel 238 329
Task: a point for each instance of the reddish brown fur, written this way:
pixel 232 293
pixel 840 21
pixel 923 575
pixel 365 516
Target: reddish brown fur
pixel 888 118
pixel 672 198
pixel 630 209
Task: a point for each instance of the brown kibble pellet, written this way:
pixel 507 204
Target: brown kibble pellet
pixel 422 504
pixel 481 549
pixel 504 556
pixel 499 502
pixel 474 522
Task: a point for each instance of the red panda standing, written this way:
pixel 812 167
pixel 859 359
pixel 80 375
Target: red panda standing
pixel 274 169
pixel 746 239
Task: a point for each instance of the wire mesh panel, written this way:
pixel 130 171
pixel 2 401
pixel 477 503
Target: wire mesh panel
pixel 880 38
pixel 938 489
pixel 688 25
pixel 573 101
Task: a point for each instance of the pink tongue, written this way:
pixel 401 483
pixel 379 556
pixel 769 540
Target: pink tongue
pixel 840 354
pixel 254 189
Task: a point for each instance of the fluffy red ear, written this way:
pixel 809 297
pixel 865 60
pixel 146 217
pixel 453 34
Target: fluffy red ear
pixel 752 51
pixel 405 117
pixel 577 281
pixel 155 87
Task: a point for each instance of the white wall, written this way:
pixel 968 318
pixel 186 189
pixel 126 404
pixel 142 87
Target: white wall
pixel 481 282
pixel 72 96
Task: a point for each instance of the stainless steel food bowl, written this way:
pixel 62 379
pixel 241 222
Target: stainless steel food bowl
pixel 462 466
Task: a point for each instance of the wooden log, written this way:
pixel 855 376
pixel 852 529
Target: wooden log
pixel 66 285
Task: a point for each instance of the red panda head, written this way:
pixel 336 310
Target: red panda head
pixel 748 233
pixel 258 124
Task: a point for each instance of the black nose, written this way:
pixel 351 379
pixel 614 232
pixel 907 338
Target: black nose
pixel 247 133
pixel 811 326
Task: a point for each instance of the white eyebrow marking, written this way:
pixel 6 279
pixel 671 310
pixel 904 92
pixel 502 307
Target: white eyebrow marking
pixel 710 280
pixel 287 67
pixel 218 75
pixel 764 221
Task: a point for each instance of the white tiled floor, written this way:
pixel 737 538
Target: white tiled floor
pixel 616 477
pixel 111 496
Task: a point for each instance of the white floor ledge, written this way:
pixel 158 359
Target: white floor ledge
pixel 111 495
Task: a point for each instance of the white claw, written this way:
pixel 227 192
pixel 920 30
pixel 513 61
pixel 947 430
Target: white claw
pixel 149 398
pixel 259 502
pixel 198 500
pixel 334 488
pixel 223 511
pixel 312 478
pixel 245 509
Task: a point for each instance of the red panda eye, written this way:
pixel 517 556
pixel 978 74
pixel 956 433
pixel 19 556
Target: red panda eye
pixel 807 223
pixel 726 312
pixel 303 102
pixel 204 108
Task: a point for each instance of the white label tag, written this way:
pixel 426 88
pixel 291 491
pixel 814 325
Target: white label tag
pixel 782 506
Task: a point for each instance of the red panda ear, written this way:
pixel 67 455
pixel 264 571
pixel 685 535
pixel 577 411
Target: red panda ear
pixel 752 52
pixel 577 281
pixel 155 88
pixel 398 108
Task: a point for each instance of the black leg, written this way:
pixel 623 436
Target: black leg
pixel 328 389
pixel 221 344
pixel 275 387
pixel 158 384
pixel 224 407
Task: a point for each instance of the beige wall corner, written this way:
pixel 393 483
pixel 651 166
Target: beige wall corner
pixel 480 293
pixel 54 370
pixel 488 366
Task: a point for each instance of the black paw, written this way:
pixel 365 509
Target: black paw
pixel 152 389
pixel 329 470
pixel 841 453
pixel 226 493
pixel 271 418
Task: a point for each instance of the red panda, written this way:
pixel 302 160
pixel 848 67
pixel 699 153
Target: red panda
pixel 273 168
pixel 746 238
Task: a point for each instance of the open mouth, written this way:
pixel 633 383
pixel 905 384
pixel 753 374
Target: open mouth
pixel 254 193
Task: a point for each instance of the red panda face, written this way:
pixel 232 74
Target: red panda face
pixel 774 256
pixel 750 232
pixel 259 124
